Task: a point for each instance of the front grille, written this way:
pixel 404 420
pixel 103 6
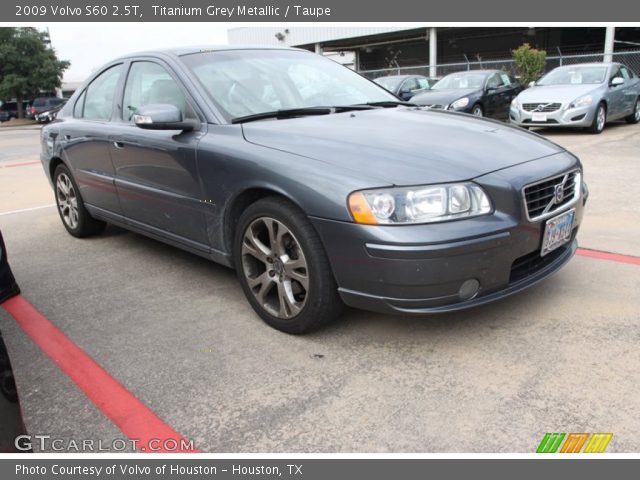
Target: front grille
pixel 541 107
pixel 529 264
pixel 549 121
pixel 544 197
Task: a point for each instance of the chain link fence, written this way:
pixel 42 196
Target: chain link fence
pixel 630 58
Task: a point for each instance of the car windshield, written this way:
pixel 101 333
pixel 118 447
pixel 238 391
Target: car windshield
pixel 461 80
pixel 250 82
pixel 390 83
pixel 574 76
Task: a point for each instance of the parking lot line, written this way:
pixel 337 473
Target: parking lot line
pixel 610 256
pixel 23 210
pixel 120 406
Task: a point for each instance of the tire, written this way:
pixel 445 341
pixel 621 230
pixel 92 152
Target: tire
pixel 74 215
pixel 477 111
pixel 635 116
pixel 283 268
pixel 597 126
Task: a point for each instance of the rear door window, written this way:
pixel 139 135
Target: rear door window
pixel 98 104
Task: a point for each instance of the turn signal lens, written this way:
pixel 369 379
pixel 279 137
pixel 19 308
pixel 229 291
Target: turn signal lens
pixel 360 209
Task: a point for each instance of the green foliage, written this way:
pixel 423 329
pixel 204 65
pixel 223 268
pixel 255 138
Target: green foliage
pixel 28 64
pixel 530 62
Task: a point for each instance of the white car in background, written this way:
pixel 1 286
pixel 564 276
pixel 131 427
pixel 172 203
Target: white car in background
pixel 586 95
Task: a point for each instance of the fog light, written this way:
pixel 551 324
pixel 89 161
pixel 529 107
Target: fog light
pixel 469 289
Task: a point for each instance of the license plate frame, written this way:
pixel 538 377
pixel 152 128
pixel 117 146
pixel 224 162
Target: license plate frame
pixel 538 117
pixel 557 231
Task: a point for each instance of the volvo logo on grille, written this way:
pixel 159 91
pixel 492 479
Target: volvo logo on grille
pixel 541 107
pixel 558 193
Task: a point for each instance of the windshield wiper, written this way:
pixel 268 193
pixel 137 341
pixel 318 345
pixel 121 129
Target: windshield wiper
pixel 389 104
pixel 285 113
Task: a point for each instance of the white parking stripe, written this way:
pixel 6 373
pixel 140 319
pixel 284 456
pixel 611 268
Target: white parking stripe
pixel 23 210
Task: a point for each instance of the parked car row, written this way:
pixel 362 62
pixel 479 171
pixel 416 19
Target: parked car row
pixel 576 96
pixel 41 109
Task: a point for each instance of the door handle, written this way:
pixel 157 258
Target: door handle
pixel 118 145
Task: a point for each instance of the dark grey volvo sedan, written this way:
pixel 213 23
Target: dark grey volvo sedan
pixel 318 186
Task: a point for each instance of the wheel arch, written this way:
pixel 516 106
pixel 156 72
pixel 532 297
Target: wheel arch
pixel 241 201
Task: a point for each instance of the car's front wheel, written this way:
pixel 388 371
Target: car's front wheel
pixel 282 267
pixel 477 111
pixel 74 215
pixel 599 119
pixel 635 116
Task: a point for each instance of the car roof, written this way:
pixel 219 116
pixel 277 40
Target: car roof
pixel 399 77
pixel 590 64
pixel 180 51
pixel 486 71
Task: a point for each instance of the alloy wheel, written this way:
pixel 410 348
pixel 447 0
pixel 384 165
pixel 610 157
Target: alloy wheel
pixel 275 267
pixel 637 111
pixel 601 118
pixel 67 201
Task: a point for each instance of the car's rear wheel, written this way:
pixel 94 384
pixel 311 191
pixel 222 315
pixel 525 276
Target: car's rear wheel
pixel 599 119
pixel 635 116
pixel 477 111
pixel 74 215
pixel 283 269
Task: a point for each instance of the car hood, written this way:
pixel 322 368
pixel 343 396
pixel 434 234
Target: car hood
pixel 443 97
pixel 555 93
pixel 403 146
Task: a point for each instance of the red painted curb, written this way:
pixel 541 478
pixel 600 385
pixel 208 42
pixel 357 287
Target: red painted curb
pixel 612 257
pixel 129 414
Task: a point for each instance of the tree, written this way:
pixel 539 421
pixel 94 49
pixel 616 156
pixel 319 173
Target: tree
pixel 28 64
pixel 530 62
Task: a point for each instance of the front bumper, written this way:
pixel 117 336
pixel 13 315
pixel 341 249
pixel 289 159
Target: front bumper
pixel 422 268
pixel 572 117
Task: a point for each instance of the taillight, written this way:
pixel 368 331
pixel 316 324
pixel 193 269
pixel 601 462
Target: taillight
pixel 33 110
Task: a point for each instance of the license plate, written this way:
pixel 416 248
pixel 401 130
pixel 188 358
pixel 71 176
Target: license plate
pixel 538 117
pixel 557 232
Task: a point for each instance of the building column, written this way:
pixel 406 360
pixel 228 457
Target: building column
pixel 609 39
pixel 433 52
pixel 319 48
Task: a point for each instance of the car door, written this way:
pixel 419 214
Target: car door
pixel 495 97
pixel 615 95
pixel 156 170
pixel 85 144
pixel 630 90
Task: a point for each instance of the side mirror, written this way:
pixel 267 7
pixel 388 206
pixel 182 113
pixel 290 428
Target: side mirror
pixel 161 117
pixel 491 89
pixel 532 84
pixel 617 81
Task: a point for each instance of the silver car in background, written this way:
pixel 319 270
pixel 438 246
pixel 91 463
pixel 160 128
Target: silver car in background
pixel 586 95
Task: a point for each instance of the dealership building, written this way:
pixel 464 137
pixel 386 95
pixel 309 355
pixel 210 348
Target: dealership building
pixel 378 48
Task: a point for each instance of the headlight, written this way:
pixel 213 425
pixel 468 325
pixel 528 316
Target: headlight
pixel 582 102
pixel 460 103
pixel 433 203
pixel 514 104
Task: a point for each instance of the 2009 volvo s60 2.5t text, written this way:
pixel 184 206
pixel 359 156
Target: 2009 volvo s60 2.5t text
pixel 318 186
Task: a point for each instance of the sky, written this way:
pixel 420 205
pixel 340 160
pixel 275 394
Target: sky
pixel 87 46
